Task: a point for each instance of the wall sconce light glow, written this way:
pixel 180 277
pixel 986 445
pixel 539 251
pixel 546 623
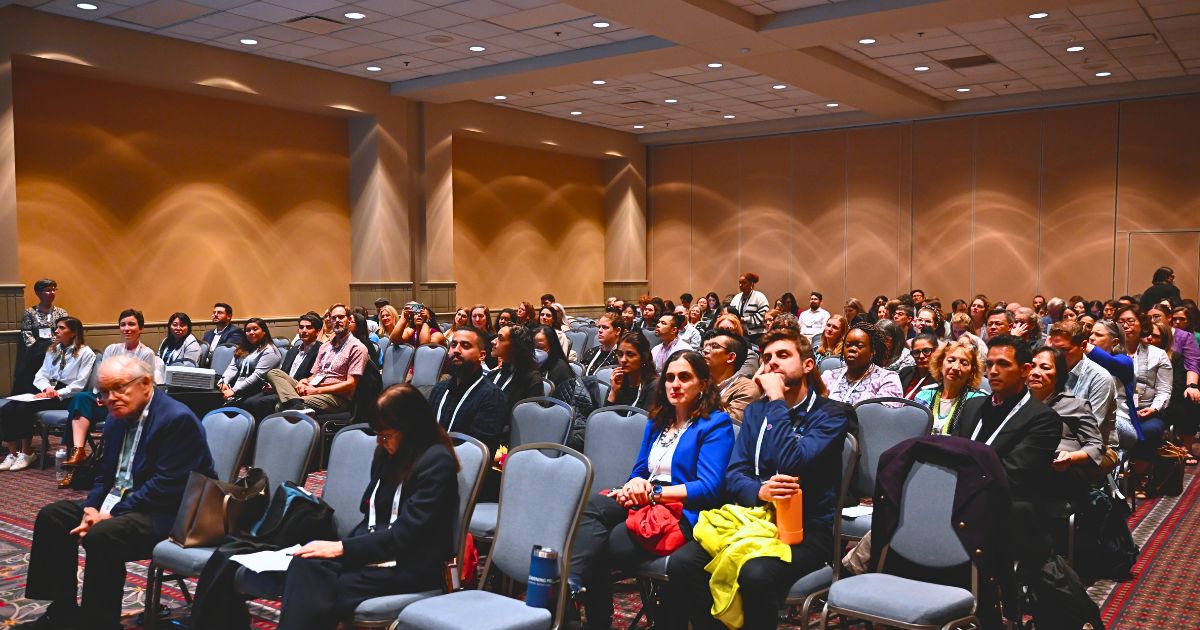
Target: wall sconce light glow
pixel 576 113
pixel 639 126
pixel 477 49
pixel 613 153
pixel 348 108
pixel 86 6
pixel 355 15
pixel 729 116
pixel 866 41
pixel 473 130
pixel 550 142
pixel 1039 15
pixel 53 56
pixel 227 84
pixel 500 97
pixel 374 69
pixel 1074 48
pixel 249 42
pixel 1104 74
pixel 715 65
pixel 600 25
pixel 599 82
pixel 963 90
pixel 671 101
pixel 832 104
pixel 779 87
pixel 921 69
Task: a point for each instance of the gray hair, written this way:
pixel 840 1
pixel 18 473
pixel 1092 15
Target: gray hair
pixel 1114 331
pixel 127 365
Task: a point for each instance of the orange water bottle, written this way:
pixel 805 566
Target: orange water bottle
pixel 789 518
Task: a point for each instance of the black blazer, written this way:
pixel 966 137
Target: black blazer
pixel 1025 445
pixel 233 337
pixel 484 414
pixel 422 537
pixel 306 365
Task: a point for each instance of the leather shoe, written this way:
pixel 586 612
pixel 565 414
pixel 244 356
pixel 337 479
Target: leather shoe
pixel 66 480
pixel 78 456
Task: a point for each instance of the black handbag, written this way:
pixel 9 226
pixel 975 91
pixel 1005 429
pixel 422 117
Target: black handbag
pixel 294 517
pixel 84 476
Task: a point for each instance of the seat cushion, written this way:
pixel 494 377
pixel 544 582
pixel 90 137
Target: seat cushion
pixel 385 609
pixel 176 559
pixel 900 599
pixel 478 610
pixel 816 581
pixel 54 417
pixel 856 527
pixel 264 585
pixel 483 520
pixel 655 569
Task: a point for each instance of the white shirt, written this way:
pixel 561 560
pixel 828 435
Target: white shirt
pixel 660 458
pixel 67 368
pixel 813 322
pixel 691 336
pixel 663 351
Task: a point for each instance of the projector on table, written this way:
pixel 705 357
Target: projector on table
pixel 191 378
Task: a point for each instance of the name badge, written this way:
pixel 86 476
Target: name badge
pixel 45 333
pixel 110 501
pixel 315 380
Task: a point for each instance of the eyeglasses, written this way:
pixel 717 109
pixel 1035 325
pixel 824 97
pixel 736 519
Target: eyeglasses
pixel 119 390
pixel 713 347
pixel 922 353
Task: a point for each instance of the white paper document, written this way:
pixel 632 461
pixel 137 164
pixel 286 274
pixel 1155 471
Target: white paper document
pixel 856 511
pixel 24 397
pixel 266 560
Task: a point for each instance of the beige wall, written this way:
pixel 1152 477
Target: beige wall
pixel 1007 205
pixel 527 222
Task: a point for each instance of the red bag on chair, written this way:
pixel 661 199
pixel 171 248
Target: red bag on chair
pixel 656 527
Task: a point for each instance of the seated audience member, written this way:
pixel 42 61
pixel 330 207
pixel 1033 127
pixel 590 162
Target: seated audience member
pixel 468 402
pixel 548 318
pixel 688 333
pixel 401 546
pixel 379 304
pixel 731 324
pixel 392 325
pixel 151 444
pixel 978 310
pixel 245 375
pixel 1187 420
pixel 37 335
pixel 370 326
pixel 695 317
pixel 481 319
pixel 957 370
pixel 517 376
pixel 1086 379
pixel 650 314
pixel 667 330
pixel 1080 448
pixel 84 408
pixel 462 317
pixel 750 305
pixel 526 314
pixel 916 376
pixel 1106 348
pixel 712 308
pixel 629 317
pixel 878 309
pixel 1152 383
pixel 725 355
pixel 682 460
pixel 427 328
pixel 357 324
pixel 829 344
pixel 785 320
pixel 1183 343
pixel 634 381
pixel 929 320
pixel 813 319
pixel 853 310
pixel 902 315
pixel 547 299
pixel 506 317
pixel 609 328
pixel 897 356
pixel 339 366
pixel 549 357
pixel 66 368
pixel 1027 326
pixel 326 333
pixel 1056 309
pixel 999 322
pixel 225 333
pixel 863 376
pixel 297 363
pixel 790 441
pixel 960 328
pixel 179 347
pixel 769 318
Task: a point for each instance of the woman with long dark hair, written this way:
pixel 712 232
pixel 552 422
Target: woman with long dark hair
pixel 549 317
pixel 518 376
pixel 357 323
pixel 179 347
pixel 634 381
pixel 684 452
pixel 257 355
pixel 549 356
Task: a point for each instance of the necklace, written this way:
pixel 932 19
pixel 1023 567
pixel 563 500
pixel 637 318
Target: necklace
pixel 668 437
pixel 859 386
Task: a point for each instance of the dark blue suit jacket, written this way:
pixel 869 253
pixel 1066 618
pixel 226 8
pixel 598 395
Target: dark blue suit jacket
pixel 172 445
pixel 233 337
pixel 699 461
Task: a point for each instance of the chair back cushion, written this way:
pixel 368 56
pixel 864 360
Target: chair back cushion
pixel 612 439
pixel 227 431
pixel 222 356
pixel 427 365
pixel 540 419
pixel 925 530
pixel 397 359
pixel 285 444
pixel 348 474
pixel 473 461
pixel 884 423
pixel 577 338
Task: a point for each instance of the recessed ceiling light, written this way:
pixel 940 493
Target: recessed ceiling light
pixel 1074 48
pixel 355 15
pixel 715 65
pixel 832 104
pixel 963 90
pixel 639 126
pixel 779 87
pixel 500 97
pixel 866 41
pixel 477 49
pixel 576 113
pixel 599 82
pixel 1104 74
pixel 921 69
pixel 249 42
pixel 730 116
pixel 1039 15
pixel 86 6
pixel 600 25
pixel 671 101
pixel 373 68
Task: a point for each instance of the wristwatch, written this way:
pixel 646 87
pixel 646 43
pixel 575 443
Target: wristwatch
pixel 655 495
pixel 1193 386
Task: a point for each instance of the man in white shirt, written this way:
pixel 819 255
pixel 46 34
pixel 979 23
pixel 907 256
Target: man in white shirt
pixel 812 321
pixel 689 333
pixel 668 330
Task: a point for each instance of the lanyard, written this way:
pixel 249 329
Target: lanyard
pixel 592 363
pixel 498 373
pixel 1000 428
pixel 762 431
pixel 371 506
pixel 914 387
pixel 124 478
pixel 333 355
pixel 727 384
pixel 454 416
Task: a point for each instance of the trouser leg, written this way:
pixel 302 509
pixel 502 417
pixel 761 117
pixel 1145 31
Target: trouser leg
pixel 326 403
pixel 765 582
pixel 686 596
pixel 310 595
pixel 109 545
pixel 54 555
pixel 284 385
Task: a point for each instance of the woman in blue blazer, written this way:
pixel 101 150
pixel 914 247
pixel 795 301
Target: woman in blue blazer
pixel 683 457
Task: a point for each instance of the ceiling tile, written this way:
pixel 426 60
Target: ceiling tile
pixel 266 12
pixel 308 6
pixel 480 9
pixel 437 18
pixel 326 43
pixel 394 8
pixel 542 16
pixel 350 56
pixel 397 27
pixel 232 21
pixel 292 51
pixel 197 29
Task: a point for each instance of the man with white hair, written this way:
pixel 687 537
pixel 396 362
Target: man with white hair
pixel 151 444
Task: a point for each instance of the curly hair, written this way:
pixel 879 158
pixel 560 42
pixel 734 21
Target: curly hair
pixel 966 345
pixel 879 352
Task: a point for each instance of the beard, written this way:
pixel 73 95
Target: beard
pixel 461 368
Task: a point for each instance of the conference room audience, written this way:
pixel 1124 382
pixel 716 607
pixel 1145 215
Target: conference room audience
pixel 1183 343
pixel 339 366
pixel 297 363
pixel 712 308
pixel 462 317
pixel 896 356
pixel 957 370
pixel 978 311
pixel 682 460
pixel 506 317
pixel 66 368
pixel 517 375
pixel 1152 374
pixel 916 376
pixel 863 376
pixel 357 324
pixel 609 328
pixel 1000 321
pixel 179 346
pixel 725 355
pixel 549 356
pixel 634 381
pixel 548 318
pixel 1027 325
pixel 629 317
pixel 750 304
pixel 829 344
pixel 854 312
pixel 667 329
pixel 37 335
pixel 929 319
pixel 225 332
pixel 467 401
pixel 246 373
pixel 729 323
pixel 688 332
pixel 901 314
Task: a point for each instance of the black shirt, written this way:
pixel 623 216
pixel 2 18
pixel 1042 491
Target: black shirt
pixel 993 415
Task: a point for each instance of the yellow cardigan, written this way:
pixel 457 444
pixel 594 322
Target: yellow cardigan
pixel 733 534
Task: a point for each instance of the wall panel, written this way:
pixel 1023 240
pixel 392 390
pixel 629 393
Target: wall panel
pixel 943 203
pixel 767 219
pixel 670 199
pixel 873 206
pixel 715 203
pixel 820 193
pixel 1007 162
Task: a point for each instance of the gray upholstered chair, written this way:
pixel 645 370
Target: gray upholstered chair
pixel 285 445
pixel 605 375
pixel 222 356
pixel 397 359
pixel 533 420
pixel 578 338
pixel 883 423
pixel 651 337
pixel 228 432
pixel 593 339
pixel 925 536
pixel 612 439
pixel 282 343
pixel 831 363
pixel 576 368
pixel 547 387
pixel 427 365
pixel 533 513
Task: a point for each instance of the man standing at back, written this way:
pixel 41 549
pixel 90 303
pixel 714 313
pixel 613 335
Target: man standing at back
pixel 812 320
pixel 225 333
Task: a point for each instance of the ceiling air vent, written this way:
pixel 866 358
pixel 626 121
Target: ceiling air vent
pixel 639 105
pixel 973 61
pixel 1132 41
pixel 315 24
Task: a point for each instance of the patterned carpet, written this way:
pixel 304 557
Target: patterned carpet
pixel 1165 592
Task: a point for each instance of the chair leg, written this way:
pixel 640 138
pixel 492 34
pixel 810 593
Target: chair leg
pixel 1071 539
pixel 45 432
pixel 182 583
pixel 153 595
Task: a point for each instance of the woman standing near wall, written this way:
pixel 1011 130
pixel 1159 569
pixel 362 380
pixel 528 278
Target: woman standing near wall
pixel 37 334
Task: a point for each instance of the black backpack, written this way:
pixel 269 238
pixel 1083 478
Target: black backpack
pixel 294 517
pixel 585 395
pixel 1058 599
pixel 1104 547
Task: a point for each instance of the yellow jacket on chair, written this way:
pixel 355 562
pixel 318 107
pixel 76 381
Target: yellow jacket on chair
pixel 733 534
